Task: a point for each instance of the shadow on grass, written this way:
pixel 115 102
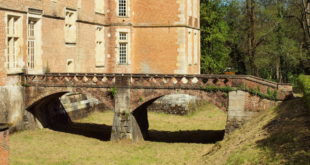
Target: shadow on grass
pixel 289 133
pixel 192 136
pixel 98 131
pixel 103 132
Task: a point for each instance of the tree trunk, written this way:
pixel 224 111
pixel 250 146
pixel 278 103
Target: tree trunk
pixel 305 14
pixel 250 7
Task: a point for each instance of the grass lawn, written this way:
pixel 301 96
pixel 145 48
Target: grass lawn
pixel 280 136
pixel 174 140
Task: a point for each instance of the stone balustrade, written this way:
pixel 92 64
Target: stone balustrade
pixel 158 81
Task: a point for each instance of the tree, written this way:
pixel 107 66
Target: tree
pixel 265 38
pixel 214 35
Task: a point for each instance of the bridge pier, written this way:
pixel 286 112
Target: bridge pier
pixel 125 125
pixel 243 107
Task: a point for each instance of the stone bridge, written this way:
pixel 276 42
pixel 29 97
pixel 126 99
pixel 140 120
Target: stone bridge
pixel 129 95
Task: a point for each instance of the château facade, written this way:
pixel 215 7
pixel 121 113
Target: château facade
pixel 101 36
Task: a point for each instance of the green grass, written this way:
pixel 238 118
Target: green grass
pixel 278 136
pixel 304 86
pixel 58 148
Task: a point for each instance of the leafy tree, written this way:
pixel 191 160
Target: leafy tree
pixel 266 38
pixel 214 35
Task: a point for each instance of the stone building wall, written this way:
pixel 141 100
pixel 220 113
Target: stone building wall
pixel 12 101
pixel 158 30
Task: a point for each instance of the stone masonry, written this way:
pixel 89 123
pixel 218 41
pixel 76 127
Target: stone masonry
pixel 157 31
pixel 133 94
pixel 178 104
pixel 129 95
pixel 4 144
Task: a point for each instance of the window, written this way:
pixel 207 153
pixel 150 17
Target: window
pixel 123 53
pixel 31 43
pixel 99 6
pixel 123 48
pixel 100 48
pixel 70 26
pixel 34 41
pixel 122 36
pixel 122 8
pixel 13 40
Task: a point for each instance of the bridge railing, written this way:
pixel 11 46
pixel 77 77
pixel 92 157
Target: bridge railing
pixel 160 81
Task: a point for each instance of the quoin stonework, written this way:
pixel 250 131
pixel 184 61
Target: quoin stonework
pixel 102 36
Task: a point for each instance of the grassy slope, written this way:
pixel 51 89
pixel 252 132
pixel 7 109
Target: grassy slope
pixel 58 148
pixel 280 136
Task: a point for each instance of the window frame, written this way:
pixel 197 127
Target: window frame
pixel 127 41
pixel 127 9
pixel 13 61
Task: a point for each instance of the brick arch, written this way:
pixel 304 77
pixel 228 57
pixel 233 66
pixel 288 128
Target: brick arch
pixel 37 94
pixel 141 96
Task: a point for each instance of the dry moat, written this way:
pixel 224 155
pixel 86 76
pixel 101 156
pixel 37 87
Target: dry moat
pixel 172 140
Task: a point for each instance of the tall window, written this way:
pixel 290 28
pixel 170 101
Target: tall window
pixel 122 8
pixel 70 26
pixel 100 49
pixel 123 48
pixel 31 42
pixel 13 41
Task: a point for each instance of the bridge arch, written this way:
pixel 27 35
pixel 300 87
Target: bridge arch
pixel 139 97
pixel 140 104
pixel 35 94
pixel 43 105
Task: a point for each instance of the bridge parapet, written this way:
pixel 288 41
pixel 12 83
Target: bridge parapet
pixel 161 81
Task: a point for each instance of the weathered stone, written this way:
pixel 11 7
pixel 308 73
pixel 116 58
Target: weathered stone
pixel 179 104
pixel 129 96
pixel 4 143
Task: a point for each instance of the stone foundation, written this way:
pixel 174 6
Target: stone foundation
pixel 4 144
pixel 178 104
pixel 79 106
pixel 12 102
pixel 243 106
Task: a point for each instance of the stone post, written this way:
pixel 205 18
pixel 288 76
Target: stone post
pixel 125 125
pixel 4 144
pixel 237 115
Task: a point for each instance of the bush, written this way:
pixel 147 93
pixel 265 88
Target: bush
pixel 304 85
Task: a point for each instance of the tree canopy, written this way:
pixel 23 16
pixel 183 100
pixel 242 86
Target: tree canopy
pixel 266 38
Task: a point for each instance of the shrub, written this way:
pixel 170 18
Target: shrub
pixel 304 84
pixel 112 92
